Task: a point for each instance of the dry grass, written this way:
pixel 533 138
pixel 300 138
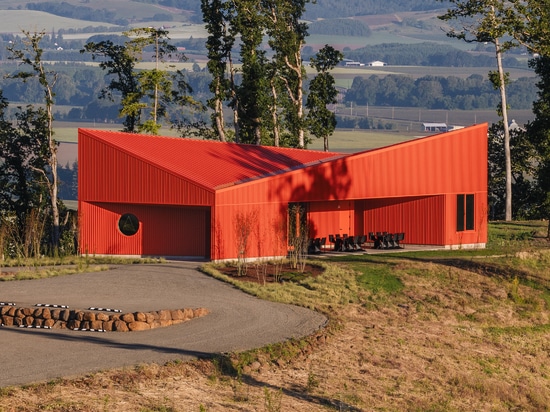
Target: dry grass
pixel 451 332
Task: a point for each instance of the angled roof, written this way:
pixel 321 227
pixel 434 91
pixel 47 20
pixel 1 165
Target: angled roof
pixel 211 164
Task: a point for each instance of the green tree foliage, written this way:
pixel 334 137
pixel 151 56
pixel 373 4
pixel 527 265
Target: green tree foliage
pixel 124 84
pixel 22 149
pixel 526 204
pixel 251 97
pixel 539 133
pixel 267 96
pixel 437 92
pixel 137 91
pixel 322 92
pixel 287 33
pixel 217 14
pixel 532 25
pixel 29 54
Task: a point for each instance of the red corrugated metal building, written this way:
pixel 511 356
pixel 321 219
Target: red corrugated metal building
pixel 160 196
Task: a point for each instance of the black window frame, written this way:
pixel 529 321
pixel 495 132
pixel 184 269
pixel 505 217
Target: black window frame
pixel 128 224
pixel 465 212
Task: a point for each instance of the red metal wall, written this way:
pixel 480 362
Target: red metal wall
pixel 110 175
pixel 335 217
pixel 163 230
pixel 422 219
pixel 409 187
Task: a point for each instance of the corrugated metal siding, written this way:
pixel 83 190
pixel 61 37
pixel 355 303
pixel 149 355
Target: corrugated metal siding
pixel 99 232
pixel 476 236
pixel 453 162
pixel 331 218
pixel 207 164
pixel 163 231
pixel 268 233
pixel 422 219
pixel 408 184
pixel 109 175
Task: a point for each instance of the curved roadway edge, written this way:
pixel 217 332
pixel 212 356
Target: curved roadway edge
pixel 236 321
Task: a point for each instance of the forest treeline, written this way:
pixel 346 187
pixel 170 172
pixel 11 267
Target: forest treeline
pixel 79 86
pixel 427 54
pixel 439 92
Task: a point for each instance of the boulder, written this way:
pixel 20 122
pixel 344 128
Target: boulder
pixel 49 323
pixel 140 317
pixel 89 316
pixel 137 326
pixel 128 318
pixel 103 317
pixel 165 315
pixel 7 320
pixel 120 326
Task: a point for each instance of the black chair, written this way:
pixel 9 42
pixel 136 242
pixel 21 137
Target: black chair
pixel 399 237
pixel 357 243
pixel 372 238
pixel 349 244
pixel 391 240
pixel 385 240
pixel 378 240
pixel 313 247
pixel 339 245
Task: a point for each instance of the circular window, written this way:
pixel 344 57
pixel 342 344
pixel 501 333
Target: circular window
pixel 128 224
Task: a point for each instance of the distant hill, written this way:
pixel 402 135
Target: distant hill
pixel 130 11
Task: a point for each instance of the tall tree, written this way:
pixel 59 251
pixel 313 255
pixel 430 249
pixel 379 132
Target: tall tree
pixel 532 25
pixel 124 84
pixel 252 93
pixel 21 154
pixel 29 53
pixel 287 33
pixel 532 29
pixel 489 21
pixel 267 100
pixel 139 90
pixel 539 133
pixel 322 92
pixel 155 84
pixel 217 15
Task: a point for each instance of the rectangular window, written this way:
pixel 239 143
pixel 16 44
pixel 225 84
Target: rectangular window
pixel 465 205
pixel 470 212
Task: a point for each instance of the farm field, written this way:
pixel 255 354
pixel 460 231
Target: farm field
pixel 13 21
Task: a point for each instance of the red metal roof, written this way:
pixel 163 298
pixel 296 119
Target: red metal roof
pixel 210 164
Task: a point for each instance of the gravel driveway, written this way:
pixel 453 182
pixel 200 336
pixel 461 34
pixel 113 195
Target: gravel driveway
pixel 236 321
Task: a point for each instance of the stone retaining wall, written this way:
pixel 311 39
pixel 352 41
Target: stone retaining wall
pixel 43 317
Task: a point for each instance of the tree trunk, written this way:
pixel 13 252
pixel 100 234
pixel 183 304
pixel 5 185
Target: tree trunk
pixel 274 116
pixel 507 154
pixel 53 165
